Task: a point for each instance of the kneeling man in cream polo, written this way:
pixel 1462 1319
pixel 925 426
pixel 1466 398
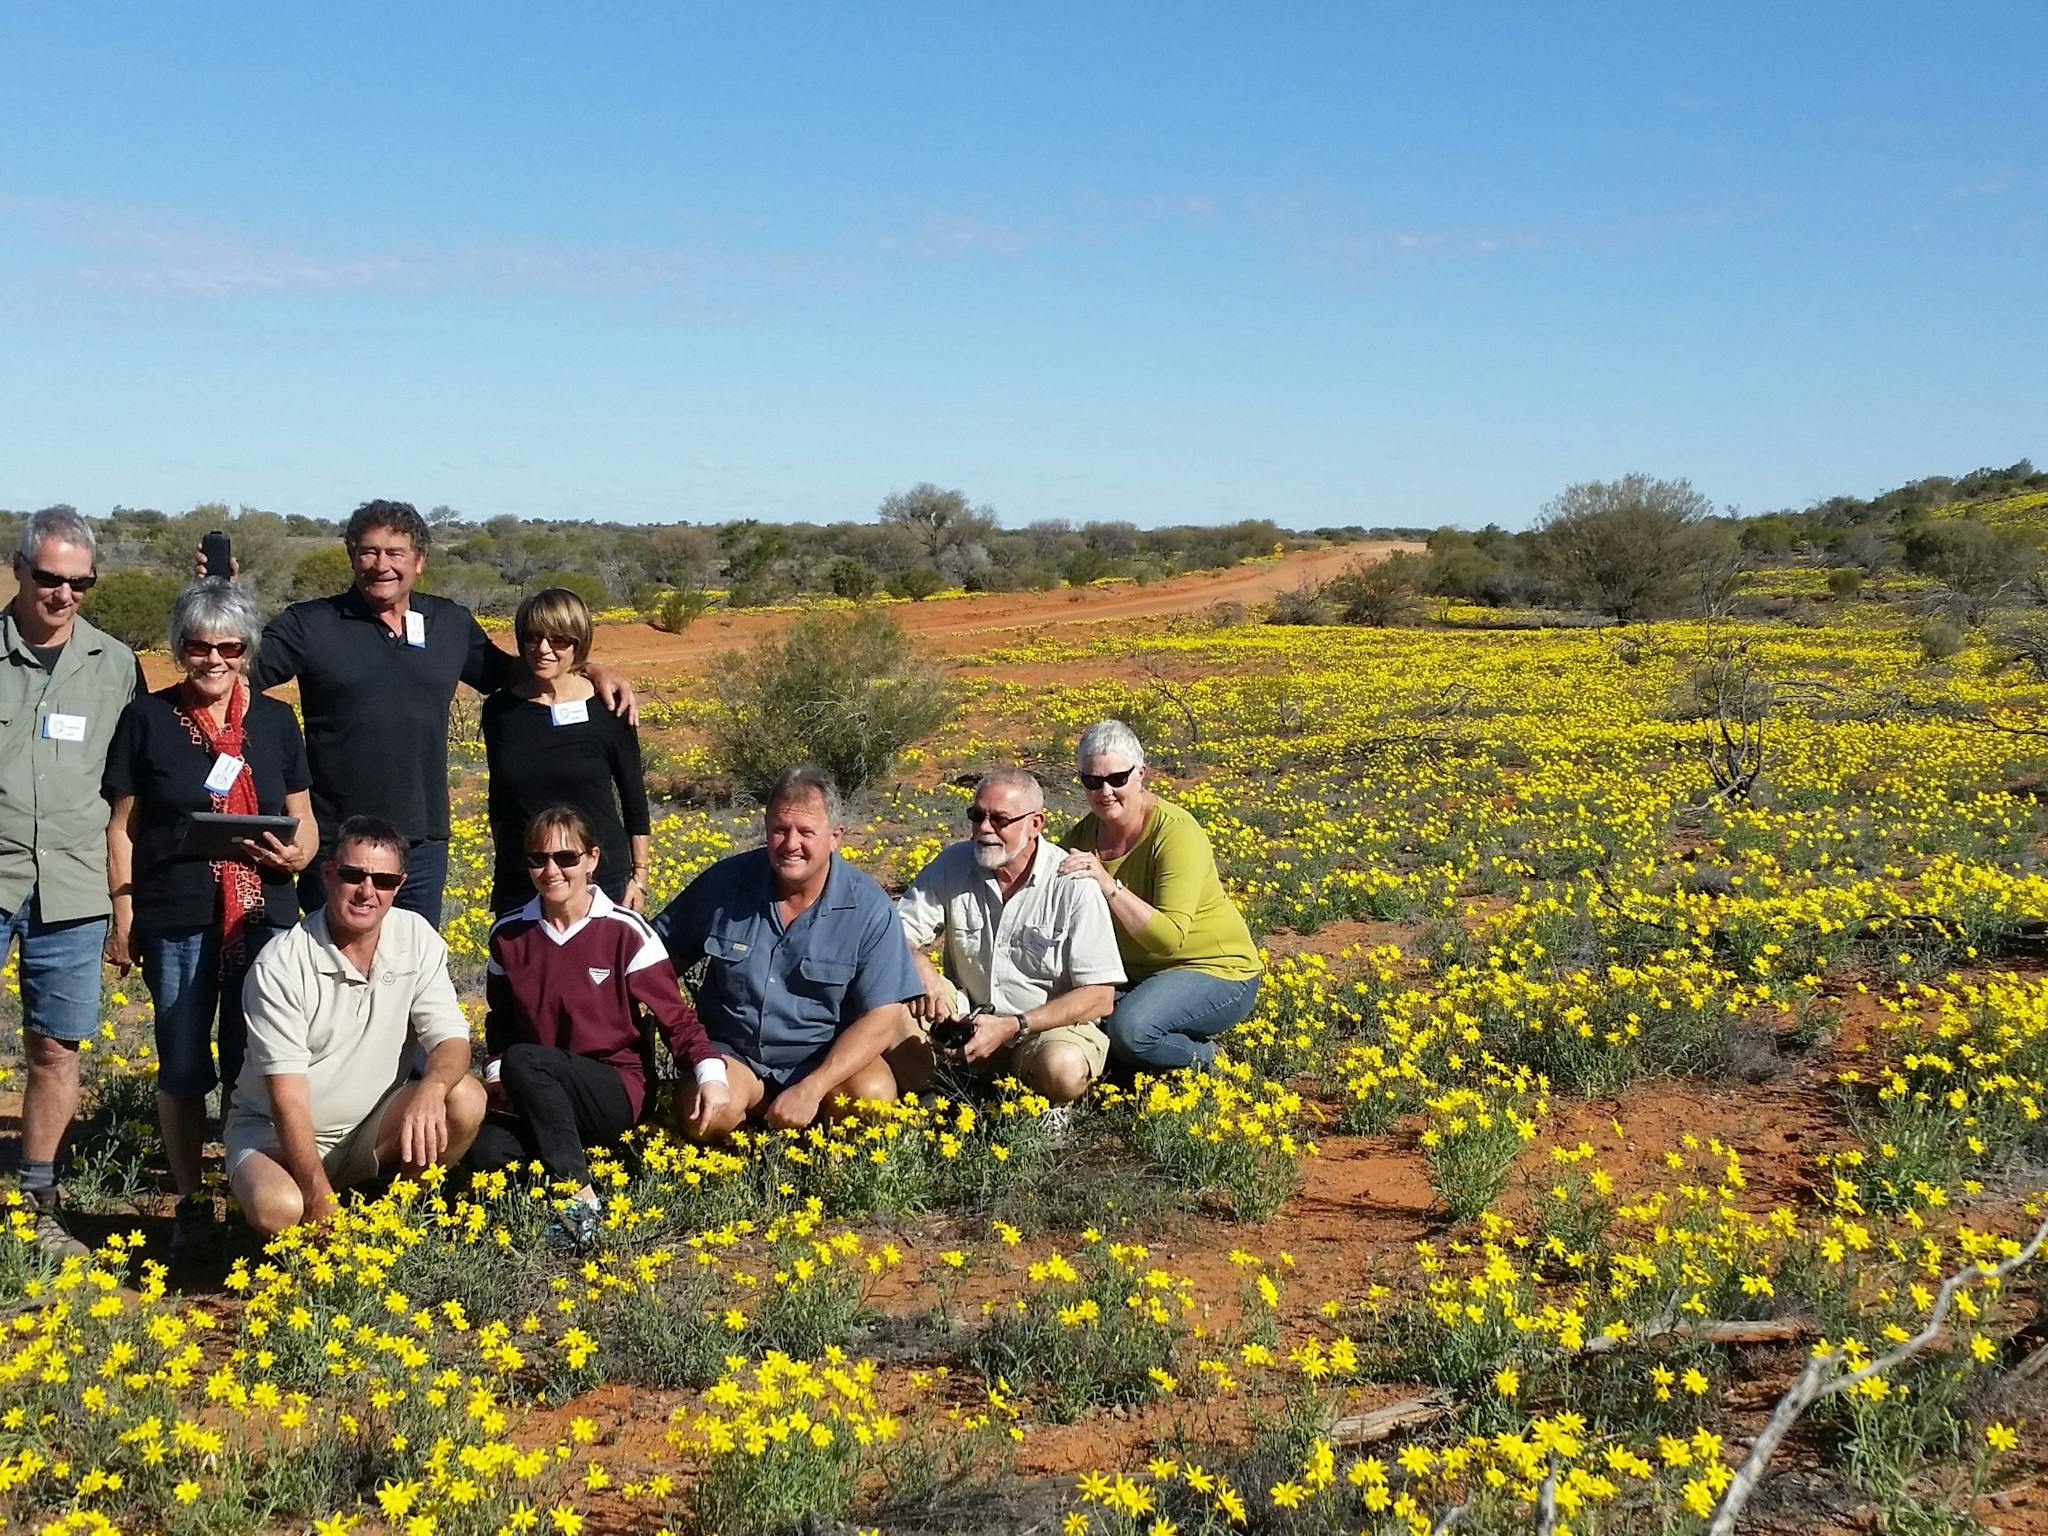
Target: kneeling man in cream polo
pixel 335 1009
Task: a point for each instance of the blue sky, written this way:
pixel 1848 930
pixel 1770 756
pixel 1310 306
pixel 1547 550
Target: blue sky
pixel 1354 263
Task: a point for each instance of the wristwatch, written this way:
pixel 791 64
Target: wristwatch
pixel 1023 1024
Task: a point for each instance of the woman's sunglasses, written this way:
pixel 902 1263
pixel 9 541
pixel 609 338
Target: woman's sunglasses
pixel 561 645
pixel 355 874
pixel 230 650
pixel 561 858
pixel 1115 780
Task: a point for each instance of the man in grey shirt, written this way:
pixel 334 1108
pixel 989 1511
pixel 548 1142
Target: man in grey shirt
pixel 63 684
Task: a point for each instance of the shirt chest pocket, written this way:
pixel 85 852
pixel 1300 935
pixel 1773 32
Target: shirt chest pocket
pixel 823 978
pixel 725 965
pixel 1037 953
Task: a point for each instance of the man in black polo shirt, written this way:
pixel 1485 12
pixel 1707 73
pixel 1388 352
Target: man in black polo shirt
pixel 377 668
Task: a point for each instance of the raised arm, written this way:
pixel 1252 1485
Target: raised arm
pixel 630 780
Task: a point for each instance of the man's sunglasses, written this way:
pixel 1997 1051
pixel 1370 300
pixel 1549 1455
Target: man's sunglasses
pixel 50 581
pixel 1115 780
pixel 976 816
pixel 561 858
pixel 230 650
pixel 355 874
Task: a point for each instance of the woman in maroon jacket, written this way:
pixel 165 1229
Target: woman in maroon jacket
pixel 571 976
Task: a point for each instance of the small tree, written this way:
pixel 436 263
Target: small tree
pixel 940 519
pixel 1976 564
pixel 846 691
pixel 1636 548
pixel 134 606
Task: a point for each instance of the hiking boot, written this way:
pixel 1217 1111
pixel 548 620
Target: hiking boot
pixel 194 1235
pixel 50 1238
pixel 574 1228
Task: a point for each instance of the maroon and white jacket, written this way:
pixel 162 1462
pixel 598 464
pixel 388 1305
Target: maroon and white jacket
pixel 585 988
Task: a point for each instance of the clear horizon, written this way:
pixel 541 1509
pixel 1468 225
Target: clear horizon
pixel 1328 265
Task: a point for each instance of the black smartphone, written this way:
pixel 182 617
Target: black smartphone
pixel 219 560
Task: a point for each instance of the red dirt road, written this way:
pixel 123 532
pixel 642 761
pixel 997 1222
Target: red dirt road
pixel 959 624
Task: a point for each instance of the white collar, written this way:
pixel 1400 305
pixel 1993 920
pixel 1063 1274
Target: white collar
pixel 600 906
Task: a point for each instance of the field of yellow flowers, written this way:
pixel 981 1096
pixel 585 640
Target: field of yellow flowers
pixel 1585 1109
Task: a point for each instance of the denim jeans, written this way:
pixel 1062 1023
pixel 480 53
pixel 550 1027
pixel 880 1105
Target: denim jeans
pixel 1172 1017
pixel 60 971
pixel 181 968
pixel 426 878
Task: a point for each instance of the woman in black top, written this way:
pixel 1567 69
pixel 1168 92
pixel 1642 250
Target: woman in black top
pixel 547 744
pixel 207 743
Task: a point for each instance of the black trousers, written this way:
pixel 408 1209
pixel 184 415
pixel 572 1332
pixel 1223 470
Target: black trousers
pixel 560 1104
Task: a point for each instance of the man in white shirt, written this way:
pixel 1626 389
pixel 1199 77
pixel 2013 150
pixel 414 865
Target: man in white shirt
pixel 335 1009
pixel 1031 957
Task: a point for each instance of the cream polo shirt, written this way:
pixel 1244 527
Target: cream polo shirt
pixel 1053 934
pixel 310 1011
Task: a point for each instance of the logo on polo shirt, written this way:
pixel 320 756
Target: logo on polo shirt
pixel 598 974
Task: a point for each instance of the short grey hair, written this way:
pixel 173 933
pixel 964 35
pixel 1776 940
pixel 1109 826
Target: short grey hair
pixel 219 607
pixel 806 781
pixel 1019 779
pixel 1106 737
pixel 61 524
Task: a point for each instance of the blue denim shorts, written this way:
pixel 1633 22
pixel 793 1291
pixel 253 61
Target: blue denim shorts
pixel 60 971
pixel 182 970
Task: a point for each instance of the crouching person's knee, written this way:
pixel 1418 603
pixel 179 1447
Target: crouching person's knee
pixel 1061 1073
pixel 467 1103
pixel 269 1204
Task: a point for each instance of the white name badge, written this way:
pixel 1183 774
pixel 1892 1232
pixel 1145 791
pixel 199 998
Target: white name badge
pixel 575 712
pixel 415 629
pixel 226 769
pixel 63 727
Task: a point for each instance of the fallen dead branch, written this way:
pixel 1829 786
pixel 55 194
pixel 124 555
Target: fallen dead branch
pixel 1429 1407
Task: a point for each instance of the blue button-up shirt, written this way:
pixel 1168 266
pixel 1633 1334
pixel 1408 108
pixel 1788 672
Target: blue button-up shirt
pixel 778 996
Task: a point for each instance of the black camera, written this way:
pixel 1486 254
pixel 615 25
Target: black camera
pixel 952 1035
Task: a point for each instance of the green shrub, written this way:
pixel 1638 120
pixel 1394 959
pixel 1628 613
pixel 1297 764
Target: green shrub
pixel 845 691
pixel 852 577
pixel 320 573
pixel 1940 639
pixel 595 594
pixel 1377 593
pixel 134 606
pixel 918 583
pixel 1845 581
pixel 678 610
pixel 1302 605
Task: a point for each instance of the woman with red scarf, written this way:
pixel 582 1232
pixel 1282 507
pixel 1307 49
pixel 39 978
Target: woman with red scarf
pixel 206 743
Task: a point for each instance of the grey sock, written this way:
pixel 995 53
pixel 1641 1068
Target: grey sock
pixel 36 1177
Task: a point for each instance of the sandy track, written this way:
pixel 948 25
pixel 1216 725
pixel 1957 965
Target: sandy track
pixel 958 624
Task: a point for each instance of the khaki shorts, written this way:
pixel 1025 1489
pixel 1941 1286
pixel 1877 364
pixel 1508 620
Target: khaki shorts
pixel 1089 1039
pixel 349 1159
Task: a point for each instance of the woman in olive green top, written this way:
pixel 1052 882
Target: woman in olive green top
pixel 1194 971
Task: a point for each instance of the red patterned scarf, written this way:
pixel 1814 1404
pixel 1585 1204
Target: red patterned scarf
pixel 241 887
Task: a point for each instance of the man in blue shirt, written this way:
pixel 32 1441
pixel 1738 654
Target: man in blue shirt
pixel 804 968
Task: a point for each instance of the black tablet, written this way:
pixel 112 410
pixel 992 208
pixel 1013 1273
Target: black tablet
pixel 212 834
